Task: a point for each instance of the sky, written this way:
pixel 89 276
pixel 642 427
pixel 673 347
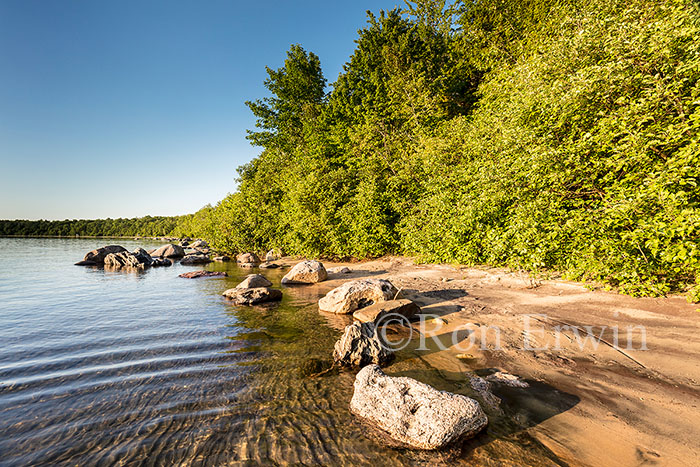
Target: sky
pixel 131 108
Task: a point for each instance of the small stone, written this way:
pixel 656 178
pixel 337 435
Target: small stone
pixel 194 259
pixel 340 270
pixel 306 272
pixel 247 258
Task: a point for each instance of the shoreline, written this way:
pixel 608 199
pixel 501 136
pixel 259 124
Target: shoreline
pixel 633 406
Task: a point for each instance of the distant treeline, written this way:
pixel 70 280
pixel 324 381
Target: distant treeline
pixel 140 226
pixel 535 134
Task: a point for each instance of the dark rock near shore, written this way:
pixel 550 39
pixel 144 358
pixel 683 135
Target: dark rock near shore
pixel 376 312
pixel 360 345
pixel 157 262
pixel 414 413
pixel 252 296
pixel 222 258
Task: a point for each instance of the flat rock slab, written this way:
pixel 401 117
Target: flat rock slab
pixel 414 413
pixel 360 345
pixel 198 274
pixel 354 295
pixel 222 259
pixel 306 272
pixel 253 281
pixel 389 309
pixel 252 296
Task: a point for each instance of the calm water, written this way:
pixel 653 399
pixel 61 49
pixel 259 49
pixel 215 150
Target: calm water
pixel 104 368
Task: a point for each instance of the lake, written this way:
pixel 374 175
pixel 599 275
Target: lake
pixel 104 368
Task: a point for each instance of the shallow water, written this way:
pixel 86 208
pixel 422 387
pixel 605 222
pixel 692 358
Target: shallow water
pixel 106 368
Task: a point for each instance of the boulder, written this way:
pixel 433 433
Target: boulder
pixel 247 258
pixel 195 259
pixel 274 254
pixel 340 270
pixel 96 257
pixel 254 280
pixel 306 272
pixel 412 412
pixel 358 294
pixel 169 251
pixel 199 244
pixel 127 260
pixel 252 296
pixel 222 258
pixel 380 310
pixel 269 266
pixel 202 273
pixel 360 345
pixel 161 262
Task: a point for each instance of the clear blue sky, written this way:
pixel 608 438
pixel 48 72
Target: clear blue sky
pixel 129 108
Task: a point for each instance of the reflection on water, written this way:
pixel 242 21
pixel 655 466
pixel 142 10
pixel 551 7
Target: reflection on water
pixel 104 367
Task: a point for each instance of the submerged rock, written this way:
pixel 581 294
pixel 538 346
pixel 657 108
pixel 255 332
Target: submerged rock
pixel 360 345
pixel 195 259
pixel 169 251
pixel 306 272
pixel 412 412
pixel 222 258
pixel 97 257
pixel 252 296
pixel 253 281
pixel 358 294
pixel 378 311
pixel 202 273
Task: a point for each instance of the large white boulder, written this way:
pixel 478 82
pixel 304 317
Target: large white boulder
pixel 412 412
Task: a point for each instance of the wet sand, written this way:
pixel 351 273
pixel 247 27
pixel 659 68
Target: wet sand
pixel 587 404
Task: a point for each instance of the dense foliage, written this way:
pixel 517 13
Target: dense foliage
pixel 141 226
pixel 536 134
